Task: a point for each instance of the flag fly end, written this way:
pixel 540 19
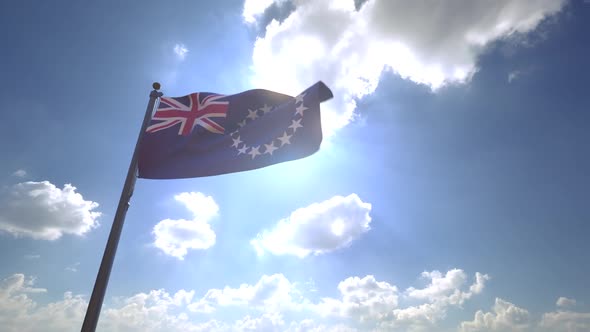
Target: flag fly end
pixel 324 93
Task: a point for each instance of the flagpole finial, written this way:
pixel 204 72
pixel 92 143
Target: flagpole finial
pixel 156 86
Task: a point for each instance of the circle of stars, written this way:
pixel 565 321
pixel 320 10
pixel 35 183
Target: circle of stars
pixel 278 142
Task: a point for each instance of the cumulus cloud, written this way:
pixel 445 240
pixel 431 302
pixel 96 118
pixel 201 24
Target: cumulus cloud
pixel 19 173
pixel 40 210
pixel 505 316
pixel 564 302
pixel 254 8
pixel 431 44
pixel 176 236
pixel 270 292
pixel 317 229
pixel 365 298
pixel 443 291
pixel 566 321
pixel 308 325
pixel 180 50
pixel 266 322
pixel 447 286
pixel 152 311
pixel 273 303
pixel 361 299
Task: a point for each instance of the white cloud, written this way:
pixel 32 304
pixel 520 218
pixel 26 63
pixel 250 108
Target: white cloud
pixel 564 302
pixel 20 173
pixel 447 287
pixel 266 322
pixel 40 210
pixel 317 229
pixel 308 325
pixel 176 237
pixel 376 303
pixel 254 8
pixel 505 316
pixel 271 292
pixel 73 267
pixel 364 298
pixel 566 321
pixel 274 304
pixel 203 207
pixel 513 75
pixel 146 312
pixel 442 292
pixel 180 50
pixel 431 44
pixel 439 285
pixel 152 311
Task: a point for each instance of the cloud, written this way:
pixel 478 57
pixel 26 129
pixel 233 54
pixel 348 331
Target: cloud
pixel 19 173
pixel 176 237
pixel 203 207
pixel 446 286
pixel 442 292
pixel 180 50
pixel 40 210
pixel 365 298
pixel 73 267
pixel 349 49
pixel 564 302
pixel 505 316
pixel 271 292
pixel 152 311
pixel 254 8
pixel 274 303
pixel 308 325
pixel 32 256
pixel 317 229
pixel 566 321
pixel 513 75
pixel 266 322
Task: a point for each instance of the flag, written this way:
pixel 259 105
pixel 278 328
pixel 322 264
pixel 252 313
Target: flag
pixel 206 134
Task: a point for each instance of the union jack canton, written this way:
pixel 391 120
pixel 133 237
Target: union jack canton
pixel 202 110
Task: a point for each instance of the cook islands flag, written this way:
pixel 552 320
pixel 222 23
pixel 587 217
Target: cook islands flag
pixel 206 134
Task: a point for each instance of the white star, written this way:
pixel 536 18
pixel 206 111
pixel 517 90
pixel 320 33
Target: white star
pixel 270 148
pixel 299 99
pixel 237 142
pixel 243 150
pixel 242 123
pixel 295 124
pixel 252 114
pixel 254 152
pixel 285 139
pixel 266 109
pixel 300 109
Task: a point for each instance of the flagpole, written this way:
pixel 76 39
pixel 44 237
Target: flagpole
pixel 102 278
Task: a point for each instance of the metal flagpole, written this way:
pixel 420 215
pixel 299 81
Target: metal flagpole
pixel 102 278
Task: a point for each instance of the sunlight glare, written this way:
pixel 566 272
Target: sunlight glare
pixel 338 227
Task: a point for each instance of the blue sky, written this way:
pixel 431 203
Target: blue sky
pixel 454 166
